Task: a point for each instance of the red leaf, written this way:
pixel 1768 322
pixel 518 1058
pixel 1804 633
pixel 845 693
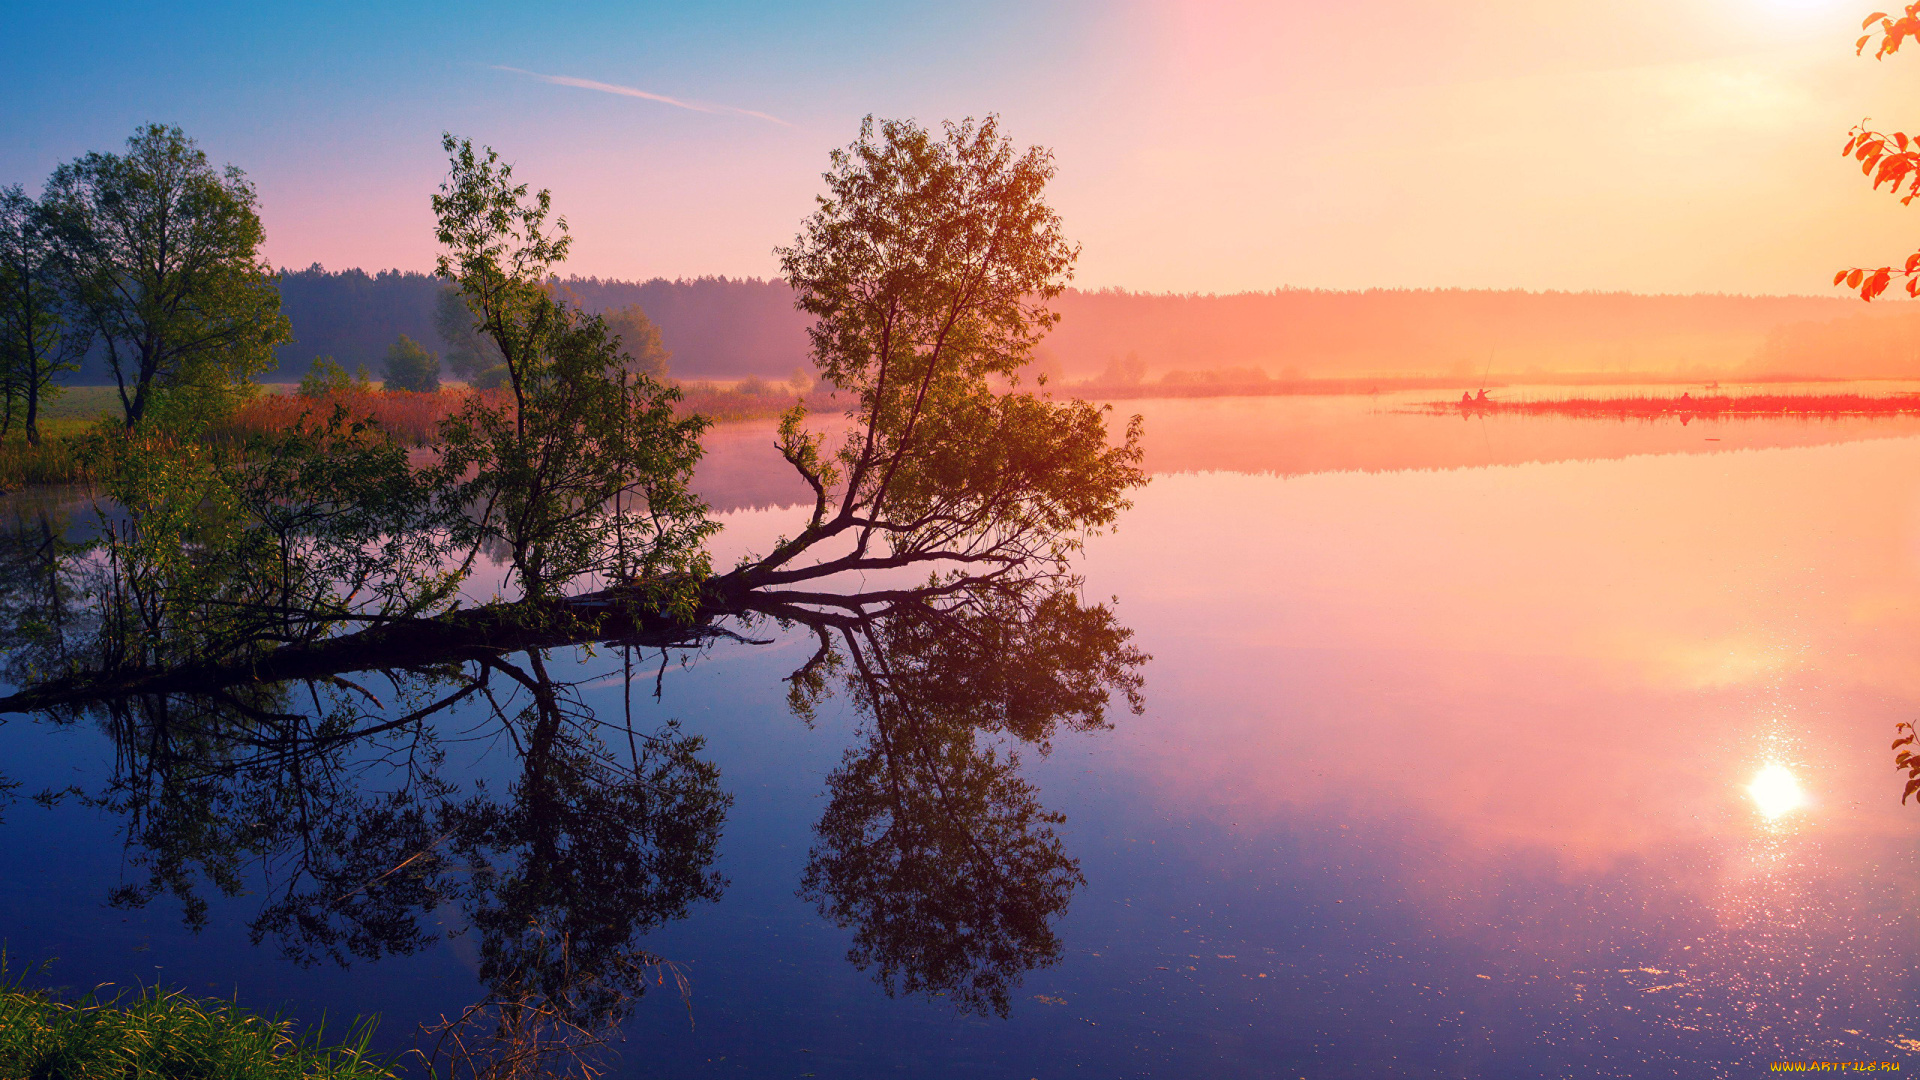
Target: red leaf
pixel 1853 279
pixel 1873 18
pixel 1839 277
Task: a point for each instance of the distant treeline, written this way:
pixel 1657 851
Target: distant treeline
pixel 1885 344
pixel 715 327
pixel 729 328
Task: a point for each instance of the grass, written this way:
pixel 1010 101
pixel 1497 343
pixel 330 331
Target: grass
pixel 63 419
pixel 81 405
pixel 1713 406
pixel 158 1035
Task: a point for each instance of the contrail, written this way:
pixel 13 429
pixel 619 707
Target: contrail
pixel 633 92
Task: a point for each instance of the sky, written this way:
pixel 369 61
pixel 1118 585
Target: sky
pixel 1227 146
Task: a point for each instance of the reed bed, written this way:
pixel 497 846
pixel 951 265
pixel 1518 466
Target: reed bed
pixel 57 460
pixel 408 416
pixel 414 418
pixel 158 1035
pixel 1708 406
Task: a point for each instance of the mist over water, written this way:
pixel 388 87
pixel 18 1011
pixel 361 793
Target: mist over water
pixel 1473 746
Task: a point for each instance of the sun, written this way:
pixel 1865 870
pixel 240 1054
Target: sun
pixel 1776 792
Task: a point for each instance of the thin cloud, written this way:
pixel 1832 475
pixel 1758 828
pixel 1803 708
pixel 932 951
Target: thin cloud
pixel 632 92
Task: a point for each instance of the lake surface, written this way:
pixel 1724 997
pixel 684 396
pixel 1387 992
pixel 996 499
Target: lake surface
pixel 1444 771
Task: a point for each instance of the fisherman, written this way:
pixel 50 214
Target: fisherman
pixel 1481 399
pixel 1686 397
pixel 1466 398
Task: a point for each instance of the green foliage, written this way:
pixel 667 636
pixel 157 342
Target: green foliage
pixel 929 256
pixel 324 378
pixel 38 338
pixel 928 267
pixel 162 253
pixel 157 1035
pixel 412 368
pixel 221 552
pixel 639 341
pixel 584 469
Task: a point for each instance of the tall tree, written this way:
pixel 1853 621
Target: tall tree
pixel 163 253
pixel 38 339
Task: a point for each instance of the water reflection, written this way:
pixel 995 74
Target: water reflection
pixel 1447 773
pixel 329 797
pixel 933 849
pixel 1301 436
pixel 1515 716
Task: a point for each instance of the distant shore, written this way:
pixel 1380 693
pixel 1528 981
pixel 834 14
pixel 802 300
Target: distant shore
pixel 1687 406
pixel 1199 384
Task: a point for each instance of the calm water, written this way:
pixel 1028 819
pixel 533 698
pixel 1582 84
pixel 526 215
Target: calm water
pixel 1443 772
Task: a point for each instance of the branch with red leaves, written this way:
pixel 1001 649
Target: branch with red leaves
pixel 1891 159
pixel 1907 759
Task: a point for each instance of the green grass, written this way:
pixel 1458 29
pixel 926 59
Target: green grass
pixel 158 1035
pixel 64 418
pixel 80 404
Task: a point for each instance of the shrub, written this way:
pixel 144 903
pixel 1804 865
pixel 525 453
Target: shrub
pixel 410 367
pixel 324 377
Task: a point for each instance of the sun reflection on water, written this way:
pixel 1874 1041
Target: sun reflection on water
pixel 1776 791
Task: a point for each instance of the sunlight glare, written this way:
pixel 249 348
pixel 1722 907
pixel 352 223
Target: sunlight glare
pixel 1775 791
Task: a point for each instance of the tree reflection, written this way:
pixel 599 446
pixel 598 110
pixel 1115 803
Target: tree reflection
pixel 335 788
pixel 363 838
pixel 933 849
